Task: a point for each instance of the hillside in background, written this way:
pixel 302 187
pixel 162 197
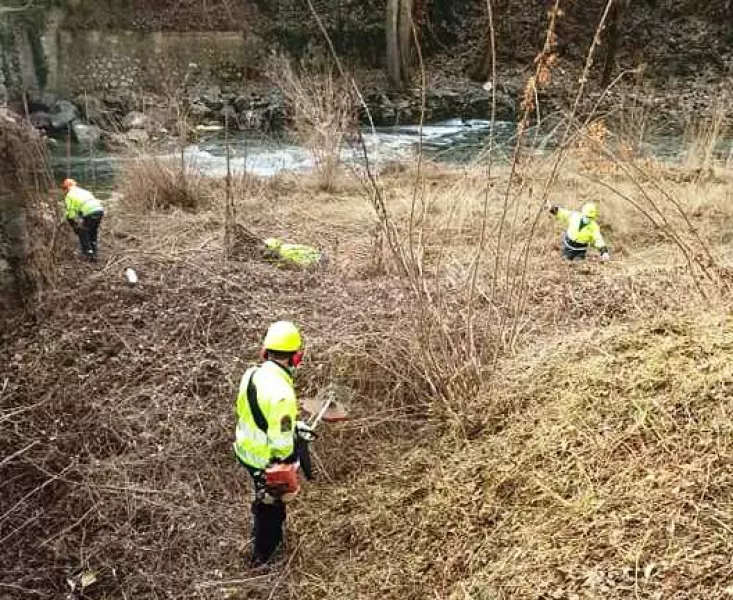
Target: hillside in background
pixel 673 37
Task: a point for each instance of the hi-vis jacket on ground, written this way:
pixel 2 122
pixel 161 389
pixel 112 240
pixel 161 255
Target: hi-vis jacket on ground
pixel 258 444
pixel 294 254
pixel 581 231
pixel 81 203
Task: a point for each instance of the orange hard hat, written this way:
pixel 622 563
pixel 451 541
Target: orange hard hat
pixel 68 183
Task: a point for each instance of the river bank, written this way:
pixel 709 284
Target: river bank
pixel 122 118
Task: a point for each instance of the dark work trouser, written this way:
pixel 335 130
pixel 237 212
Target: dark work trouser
pixel 267 519
pixel 572 250
pixel 89 234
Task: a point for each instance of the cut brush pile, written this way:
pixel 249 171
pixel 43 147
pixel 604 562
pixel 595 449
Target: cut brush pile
pixel 611 479
pixel 592 465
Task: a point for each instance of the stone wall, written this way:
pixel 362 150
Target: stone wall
pixel 161 62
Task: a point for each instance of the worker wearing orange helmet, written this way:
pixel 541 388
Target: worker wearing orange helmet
pixel 267 410
pixel 582 231
pixel 84 214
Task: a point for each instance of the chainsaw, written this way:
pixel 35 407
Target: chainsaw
pixel 282 479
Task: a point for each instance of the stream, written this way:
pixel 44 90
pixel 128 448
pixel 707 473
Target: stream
pixel 453 141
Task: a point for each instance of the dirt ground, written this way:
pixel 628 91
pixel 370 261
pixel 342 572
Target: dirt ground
pixel 591 462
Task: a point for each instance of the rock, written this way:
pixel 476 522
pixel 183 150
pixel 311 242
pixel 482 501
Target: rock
pixel 228 114
pixel 63 106
pixel 196 109
pixel 118 102
pixel 242 103
pixel 87 135
pixel 137 136
pixel 212 99
pixel 40 120
pixel 93 110
pixel 41 101
pixel 63 113
pixel 135 120
pixel 6 274
pixel 478 105
pixel 133 138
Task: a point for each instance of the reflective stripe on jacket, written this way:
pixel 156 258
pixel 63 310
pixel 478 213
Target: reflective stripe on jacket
pixel 275 396
pixel 81 203
pixel 296 254
pixel 581 230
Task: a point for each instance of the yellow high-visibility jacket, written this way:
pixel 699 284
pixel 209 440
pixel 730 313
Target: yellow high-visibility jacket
pixel 273 438
pixel 81 203
pixel 295 254
pixel 580 229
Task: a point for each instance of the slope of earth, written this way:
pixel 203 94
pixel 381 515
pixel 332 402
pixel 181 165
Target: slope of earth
pixel 601 446
pixel 611 479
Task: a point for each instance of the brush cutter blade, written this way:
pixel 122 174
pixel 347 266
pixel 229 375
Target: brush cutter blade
pixel 336 413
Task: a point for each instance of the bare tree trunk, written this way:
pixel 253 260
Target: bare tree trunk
pixel 613 40
pixel 406 24
pixel 399 41
pixel 394 59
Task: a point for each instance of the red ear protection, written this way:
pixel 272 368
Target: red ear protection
pixel 297 359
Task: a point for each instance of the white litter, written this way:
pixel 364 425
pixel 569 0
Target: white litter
pixel 131 277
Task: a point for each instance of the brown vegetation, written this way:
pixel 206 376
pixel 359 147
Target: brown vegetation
pixel 27 215
pixel 521 427
pixel 117 466
pixel 152 183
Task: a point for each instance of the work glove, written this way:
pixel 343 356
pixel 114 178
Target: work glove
pixel 553 209
pixel 304 431
pixel 605 256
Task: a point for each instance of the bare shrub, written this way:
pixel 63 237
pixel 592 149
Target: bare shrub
pixel 152 183
pixel 322 111
pixel 705 135
pixel 26 214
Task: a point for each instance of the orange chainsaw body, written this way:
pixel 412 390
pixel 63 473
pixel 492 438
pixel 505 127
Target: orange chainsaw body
pixel 282 479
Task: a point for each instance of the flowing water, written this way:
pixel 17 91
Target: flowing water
pixel 453 141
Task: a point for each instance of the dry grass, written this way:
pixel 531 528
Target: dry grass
pixel 608 477
pixel 152 183
pixel 513 496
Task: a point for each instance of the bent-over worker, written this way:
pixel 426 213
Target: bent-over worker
pixel 297 255
pixel 84 214
pixel 582 231
pixel 266 429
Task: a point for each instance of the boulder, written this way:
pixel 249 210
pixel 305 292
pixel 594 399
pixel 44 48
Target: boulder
pixel 478 104
pixel 135 120
pixel 212 99
pixel 63 113
pixel 228 114
pixel 93 110
pixel 242 103
pixel 119 102
pixel 199 110
pixel 123 141
pixel 40 120
pixel 87 135
pixel 137 137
